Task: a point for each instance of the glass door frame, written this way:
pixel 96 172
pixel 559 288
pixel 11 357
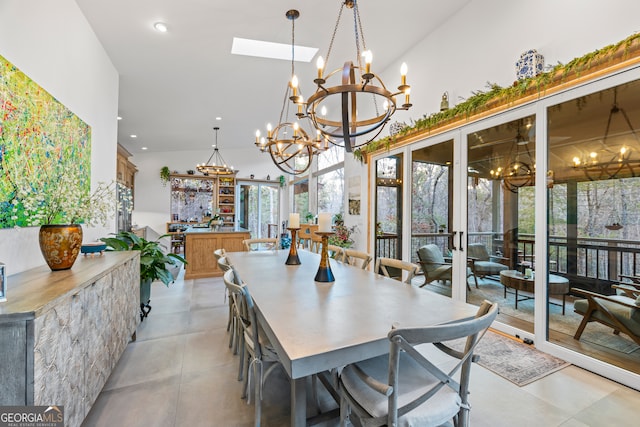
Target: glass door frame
pixel 259 185
pixel 541 250
pixel 538 108
pixel 483 124
pixel 405 234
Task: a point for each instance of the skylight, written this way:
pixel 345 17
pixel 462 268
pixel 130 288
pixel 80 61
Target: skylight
pixel 264 49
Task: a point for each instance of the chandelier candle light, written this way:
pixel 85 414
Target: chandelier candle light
pixel 335 111
pixel 294 226
pixel 324 273
pixel 216 164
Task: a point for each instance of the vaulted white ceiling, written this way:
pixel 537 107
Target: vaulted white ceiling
pixel 173 85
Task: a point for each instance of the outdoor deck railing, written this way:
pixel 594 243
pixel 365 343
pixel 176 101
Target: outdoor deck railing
pixel 586 260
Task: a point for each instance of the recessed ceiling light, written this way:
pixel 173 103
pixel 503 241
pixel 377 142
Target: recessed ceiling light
pixel 218 118
pixel 161 27
pixel 133 136
pixel 272 50
pixel 143 148
pixel 119 118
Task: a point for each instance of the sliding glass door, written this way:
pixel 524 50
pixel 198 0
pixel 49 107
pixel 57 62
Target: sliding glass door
pixel 388 207
pixel 259 208
pixel 594 223
pixel 432 215
pixel 500 218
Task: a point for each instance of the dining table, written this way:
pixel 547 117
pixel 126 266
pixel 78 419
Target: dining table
pixel 318 326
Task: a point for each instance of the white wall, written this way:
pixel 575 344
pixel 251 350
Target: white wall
pixel 52 43
pixel 484 40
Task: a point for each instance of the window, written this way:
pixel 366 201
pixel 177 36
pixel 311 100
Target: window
pixel 330 185
pixel 301 197
pixel 331 191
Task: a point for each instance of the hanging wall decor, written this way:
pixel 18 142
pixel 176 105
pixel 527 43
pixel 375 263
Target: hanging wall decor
pixel 41 140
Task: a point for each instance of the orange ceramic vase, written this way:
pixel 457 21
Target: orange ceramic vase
pixel 60 245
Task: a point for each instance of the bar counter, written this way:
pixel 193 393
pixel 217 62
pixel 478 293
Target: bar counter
pixel 201 242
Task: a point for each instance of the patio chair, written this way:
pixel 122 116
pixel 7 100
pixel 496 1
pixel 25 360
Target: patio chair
pixel 631 290
pixel 484 264
pixel 354 257
pixel 435 266
pixel 256 244
pixel 389 267
pixel 619 312
pixel 407 387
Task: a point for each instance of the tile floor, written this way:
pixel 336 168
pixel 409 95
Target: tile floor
pixel 180 372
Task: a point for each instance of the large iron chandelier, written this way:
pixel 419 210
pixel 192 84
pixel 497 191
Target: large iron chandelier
pixel 290 146
pixel 216 164
pixel 360 104
pixel 521 169
pixel 608 163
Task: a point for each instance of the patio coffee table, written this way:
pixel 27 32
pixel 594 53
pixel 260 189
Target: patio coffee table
pixel 515 280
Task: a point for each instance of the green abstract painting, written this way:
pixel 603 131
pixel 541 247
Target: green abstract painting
pixel 41 142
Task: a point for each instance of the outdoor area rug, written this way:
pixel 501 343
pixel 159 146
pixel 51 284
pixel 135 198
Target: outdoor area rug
pixel 519 363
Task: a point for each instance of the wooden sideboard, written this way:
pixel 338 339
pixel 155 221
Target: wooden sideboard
pixel 62 333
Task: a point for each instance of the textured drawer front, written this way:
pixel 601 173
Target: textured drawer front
pixel 13 364
pixel 59 358
pixel 98 362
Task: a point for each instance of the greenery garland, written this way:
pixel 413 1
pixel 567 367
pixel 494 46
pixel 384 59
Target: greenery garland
pixel 481 100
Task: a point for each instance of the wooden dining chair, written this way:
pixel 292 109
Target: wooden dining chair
pixel 258 352
pixel 315 244
pixel 224 265
pixel 336 252
pixel 219 253
pixel 236 304
pixel 408 387
pixel 305 233
pixel 258 244
pixel 393 268
pixel 357 258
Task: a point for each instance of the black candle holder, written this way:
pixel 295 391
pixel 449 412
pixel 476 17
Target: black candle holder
pixel 293 258
pixel 324 273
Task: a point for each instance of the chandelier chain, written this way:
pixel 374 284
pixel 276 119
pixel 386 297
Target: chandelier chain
pixel 359 34
pixel 335 30
pixel 287 92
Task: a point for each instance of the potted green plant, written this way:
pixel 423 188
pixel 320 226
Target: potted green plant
pixel 155 264
pixel 342 236
pixel 165 175
pixel 59 202
pixel 309 217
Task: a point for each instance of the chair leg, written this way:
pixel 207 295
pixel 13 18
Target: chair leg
pixel 245 379
pixel 257 371
pixel 344 413
pixel 232 335
pixel 241 361
pixel 585 320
